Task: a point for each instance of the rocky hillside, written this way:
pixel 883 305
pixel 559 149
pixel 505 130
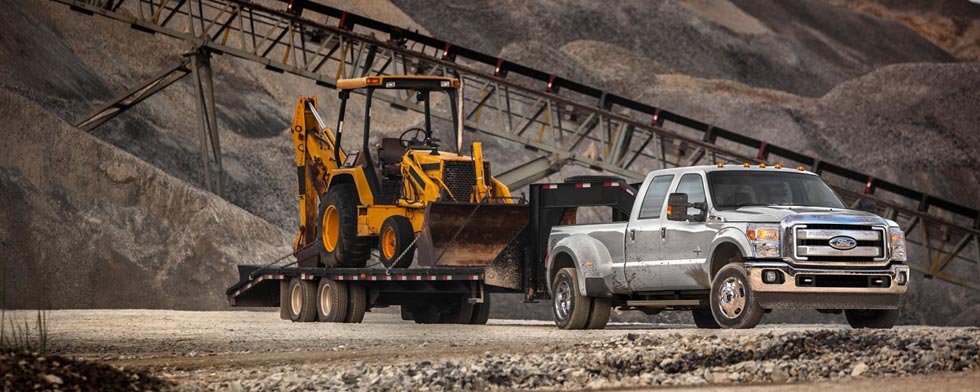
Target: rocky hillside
pixel 117 218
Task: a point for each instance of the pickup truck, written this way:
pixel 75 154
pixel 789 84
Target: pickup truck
pixel 729 243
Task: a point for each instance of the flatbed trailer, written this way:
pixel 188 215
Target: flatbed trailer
pixel 437 295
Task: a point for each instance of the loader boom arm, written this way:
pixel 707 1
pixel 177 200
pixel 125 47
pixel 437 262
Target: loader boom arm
pixel 316 156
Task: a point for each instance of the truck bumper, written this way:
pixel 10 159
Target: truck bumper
pixel 822 288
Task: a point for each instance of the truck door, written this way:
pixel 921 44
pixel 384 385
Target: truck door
pixel 643 235
pixel 685 243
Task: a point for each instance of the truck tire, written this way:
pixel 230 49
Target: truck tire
pixel 481 312
pixel 356 304
pixel 331 301
pixel 302 300
pixel 571 309
pixel 599 316
pixel 704 319
pixel 336 229
pixel 871 318
pixel 732 302
pixel 397 235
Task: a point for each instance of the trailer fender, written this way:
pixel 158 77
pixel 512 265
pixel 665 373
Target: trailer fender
pixel 589 257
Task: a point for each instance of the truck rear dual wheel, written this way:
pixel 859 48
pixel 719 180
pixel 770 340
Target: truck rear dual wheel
pixel 733 303
pixel 573 310
pixel 337 229
pixel 871 318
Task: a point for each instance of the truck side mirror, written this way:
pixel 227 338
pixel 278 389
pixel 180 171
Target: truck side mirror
pixel 677 207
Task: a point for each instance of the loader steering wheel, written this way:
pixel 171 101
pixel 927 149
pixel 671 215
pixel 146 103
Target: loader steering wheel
pixel 415 140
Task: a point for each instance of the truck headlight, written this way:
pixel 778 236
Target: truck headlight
pixel 764 240
pixel 896 239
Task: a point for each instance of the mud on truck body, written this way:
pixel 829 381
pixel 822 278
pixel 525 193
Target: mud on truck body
pixel 729 244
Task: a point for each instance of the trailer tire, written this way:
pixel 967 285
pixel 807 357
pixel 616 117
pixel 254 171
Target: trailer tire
pixel 357 304
pixel 704 319
pixel 397 235
pixel 481 311
pixel 871 318
pixel 331 300
pixel 599 316
pixel 424 314
pixel 733 303
pixel 571 309
pixel 302 300
pixel 342 248
pixel 460 313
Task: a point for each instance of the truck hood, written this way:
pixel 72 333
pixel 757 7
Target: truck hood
pixel 799 214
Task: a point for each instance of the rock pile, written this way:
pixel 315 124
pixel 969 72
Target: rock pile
pixel 29 371
pixel 640 360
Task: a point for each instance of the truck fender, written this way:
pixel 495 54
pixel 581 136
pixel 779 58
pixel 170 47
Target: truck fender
pixel 591 260
pixel 725 240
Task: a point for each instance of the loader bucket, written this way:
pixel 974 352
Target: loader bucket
pixel 466 234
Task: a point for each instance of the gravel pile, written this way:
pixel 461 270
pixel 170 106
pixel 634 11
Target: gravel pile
pixel 30 371
pixel 639 360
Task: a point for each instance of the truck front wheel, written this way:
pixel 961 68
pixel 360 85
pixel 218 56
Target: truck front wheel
pixel 571 308
pixel 871 318
pixel 732 301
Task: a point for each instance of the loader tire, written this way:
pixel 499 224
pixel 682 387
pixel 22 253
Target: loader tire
pixel 356 304
pixel 331 303
pixel 302 300
pixel 336 229
pixel 396 239
pixel 570 307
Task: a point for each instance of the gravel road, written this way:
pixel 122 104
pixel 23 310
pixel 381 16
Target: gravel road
pixel 243 350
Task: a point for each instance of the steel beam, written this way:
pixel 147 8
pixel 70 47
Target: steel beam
pixel 131 97
pixel 524 174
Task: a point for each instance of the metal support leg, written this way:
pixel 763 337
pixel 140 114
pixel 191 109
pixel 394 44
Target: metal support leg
pixel 207 119
pixel 131 97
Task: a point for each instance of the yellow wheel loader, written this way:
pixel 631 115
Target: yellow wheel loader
pixel 401 194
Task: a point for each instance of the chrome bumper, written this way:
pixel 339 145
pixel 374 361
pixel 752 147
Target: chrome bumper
pixel 827 288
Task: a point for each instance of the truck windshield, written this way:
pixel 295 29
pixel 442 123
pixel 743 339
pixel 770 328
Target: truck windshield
pixel 734 189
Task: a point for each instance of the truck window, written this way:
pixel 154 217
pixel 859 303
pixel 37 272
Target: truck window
pixel 740 188
pixel 693 186
pixel 653 201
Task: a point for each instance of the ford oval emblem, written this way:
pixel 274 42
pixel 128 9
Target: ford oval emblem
pixel 843 243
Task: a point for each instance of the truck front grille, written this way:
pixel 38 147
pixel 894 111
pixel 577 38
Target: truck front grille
pixel 460 178
pixel 813 243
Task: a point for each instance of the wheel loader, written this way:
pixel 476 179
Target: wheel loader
pixel 402 196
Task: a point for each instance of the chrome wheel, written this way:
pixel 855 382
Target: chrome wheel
pixel 563 300
pixel 731 297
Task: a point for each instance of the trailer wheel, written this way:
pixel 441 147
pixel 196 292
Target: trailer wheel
pixel 336 229
pixel 357 304
pixel 302 300
pixel 599 316
pixel 397 237
pixel 871 318
pixel 732 301
pixel 424 314
pixel 460 313
pixel 331 300
pixel 481 312
pixel 571 308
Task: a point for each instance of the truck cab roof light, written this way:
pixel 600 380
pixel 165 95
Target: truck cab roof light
pixel 778 166
pixel 800 168
pixel 746 164
pixel 762 165
pixel 721 164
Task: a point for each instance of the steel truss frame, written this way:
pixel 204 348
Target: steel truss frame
pixel 564 121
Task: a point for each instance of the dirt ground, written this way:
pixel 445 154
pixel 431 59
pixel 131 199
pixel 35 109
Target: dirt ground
pixel 216 350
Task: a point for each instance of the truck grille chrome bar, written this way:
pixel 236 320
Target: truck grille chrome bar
pixel 839 244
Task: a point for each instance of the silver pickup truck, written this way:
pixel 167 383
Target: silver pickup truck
pixel 729 243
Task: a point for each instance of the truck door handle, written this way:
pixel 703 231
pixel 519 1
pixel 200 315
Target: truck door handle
pixel 632 234
pixel 663 232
